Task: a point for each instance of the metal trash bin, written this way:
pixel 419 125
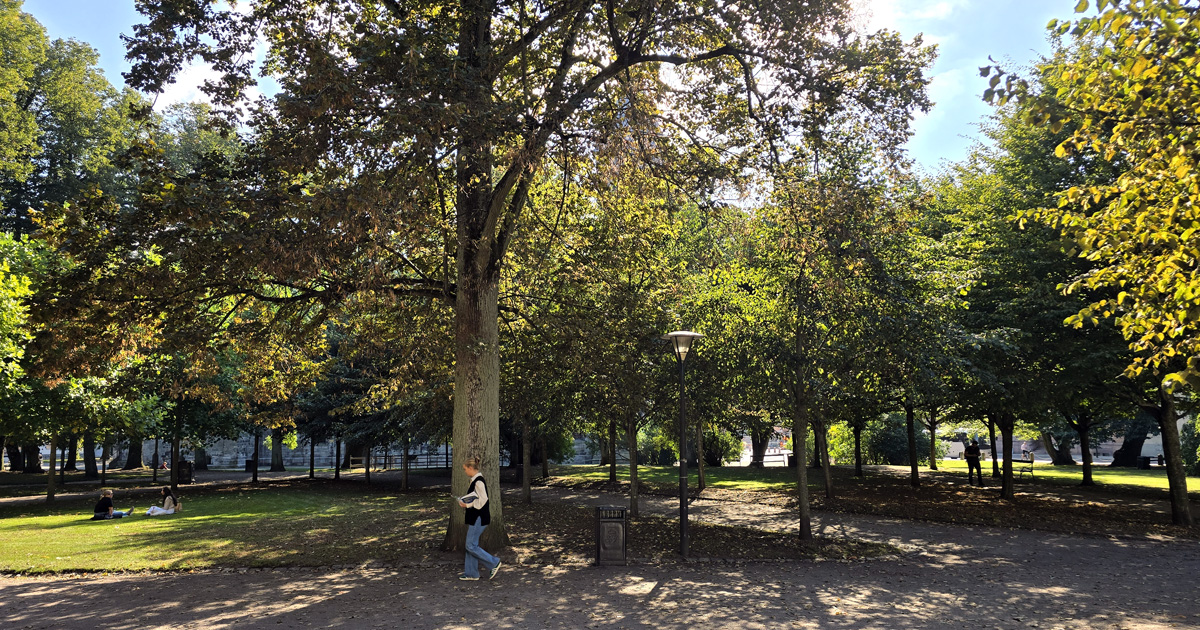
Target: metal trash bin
pixel 612 523
pixel 251 464
pixel 1143 462
pixel 184 471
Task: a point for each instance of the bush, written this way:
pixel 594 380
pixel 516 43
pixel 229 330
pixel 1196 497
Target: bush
pixel 721 446
pixel 886 441
pixel 1190 441
pixel 841 443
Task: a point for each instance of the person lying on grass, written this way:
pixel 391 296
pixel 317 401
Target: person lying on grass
pixel 171 505
pixel 104 508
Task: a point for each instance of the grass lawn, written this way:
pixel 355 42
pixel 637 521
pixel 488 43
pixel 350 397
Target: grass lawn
pixel 1127 503
pixel 728 477
pixel 302 523
pixel 1132 478
pixel 290 525
pixel 779 479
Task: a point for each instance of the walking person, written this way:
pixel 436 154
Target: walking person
pixel 972 455
pixel 479 516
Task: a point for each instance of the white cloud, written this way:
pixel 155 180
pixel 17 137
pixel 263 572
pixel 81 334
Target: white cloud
pixel 186 87
pixel 188 82
pixel 905 15
pixel 939 10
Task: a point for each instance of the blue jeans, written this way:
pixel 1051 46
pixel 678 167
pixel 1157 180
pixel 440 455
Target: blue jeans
pixel 475 553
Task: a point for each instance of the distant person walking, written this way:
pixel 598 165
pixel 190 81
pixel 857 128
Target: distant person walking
pixel 479 516
pixel 972 455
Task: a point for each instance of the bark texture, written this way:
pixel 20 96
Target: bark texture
pixel 758 448
pixel 134 459
pixel 277 450
pixel 1168 425
pixel 89 456
pixel 910 424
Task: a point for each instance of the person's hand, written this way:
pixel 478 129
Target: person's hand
pixel 461 504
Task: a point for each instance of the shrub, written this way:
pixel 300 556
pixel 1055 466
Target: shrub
pixel 1190 441
pixel 885 441
pixel 721 446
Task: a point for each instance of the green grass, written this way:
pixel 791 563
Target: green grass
pixel 728 477
pixel 784 479
pixel 1130 478
pixel 280 525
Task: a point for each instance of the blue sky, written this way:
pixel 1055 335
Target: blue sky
pixel 966 31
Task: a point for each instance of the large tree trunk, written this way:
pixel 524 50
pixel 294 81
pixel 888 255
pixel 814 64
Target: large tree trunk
pixel 1168 425
pixel 104 462
pixel 758 447
pixel 1006 422
pixel 819 426
pixel 1083 427
pixel 72 453
pixel 631 437
pixel 33 459
pixel 476 398
pixel 277 450
pixel 176 435
pixel 367 463
pixel 858 471
pixel 257 448
pixel 337 458
pixel 1060 454
pixel 89 456
pixel 612 450
pixel 699 454
pixel 911 426
pixel 527 461
pixel 994 452
pixel 133 460
pixel 156 460
pixel 50 474
pixel 16 461
pixel 1131 449
pixel 800 450
pixel 933 442
pixel 406 463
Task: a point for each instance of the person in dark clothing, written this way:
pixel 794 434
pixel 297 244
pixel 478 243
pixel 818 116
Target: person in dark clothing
pixel 478 517
pixel 972 455
pixel 104 508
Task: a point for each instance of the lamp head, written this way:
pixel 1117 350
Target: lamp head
pixel 681 342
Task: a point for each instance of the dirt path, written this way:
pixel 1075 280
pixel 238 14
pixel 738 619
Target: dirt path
pixel 950 577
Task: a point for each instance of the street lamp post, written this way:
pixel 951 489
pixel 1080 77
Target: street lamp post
pixel 681 342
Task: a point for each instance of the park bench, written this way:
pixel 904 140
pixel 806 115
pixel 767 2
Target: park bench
pixel 1024 465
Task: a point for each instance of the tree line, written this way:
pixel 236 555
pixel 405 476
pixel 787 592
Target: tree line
pixel 471 222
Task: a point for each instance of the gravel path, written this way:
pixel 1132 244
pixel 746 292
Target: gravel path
pixel 949 577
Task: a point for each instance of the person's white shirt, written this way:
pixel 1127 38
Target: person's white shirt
pixel 480 492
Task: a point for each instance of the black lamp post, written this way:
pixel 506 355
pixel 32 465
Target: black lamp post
pixel 681 341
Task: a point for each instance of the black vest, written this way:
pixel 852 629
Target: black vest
pixel 485 512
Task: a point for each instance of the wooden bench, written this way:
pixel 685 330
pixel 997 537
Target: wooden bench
pixel 1025 465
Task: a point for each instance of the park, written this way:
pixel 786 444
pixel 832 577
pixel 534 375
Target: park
pixel 628 314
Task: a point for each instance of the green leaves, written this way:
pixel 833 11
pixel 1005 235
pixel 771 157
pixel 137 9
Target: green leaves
pixel 1132 93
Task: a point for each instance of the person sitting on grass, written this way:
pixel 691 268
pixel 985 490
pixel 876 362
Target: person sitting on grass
pixel 171 505
pixel 104 508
